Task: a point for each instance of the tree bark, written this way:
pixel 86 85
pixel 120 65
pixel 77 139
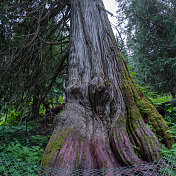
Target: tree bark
pixel 102 125
pixel 36 103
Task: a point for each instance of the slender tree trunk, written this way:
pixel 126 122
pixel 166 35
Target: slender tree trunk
pixel 35 104
pixel 102 125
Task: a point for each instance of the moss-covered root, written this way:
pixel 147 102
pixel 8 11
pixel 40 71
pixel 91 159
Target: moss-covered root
pixel 159 125
pixel 70 151
pixel 138 99
pixel 145 140
pixel 122 147
pixel 67 150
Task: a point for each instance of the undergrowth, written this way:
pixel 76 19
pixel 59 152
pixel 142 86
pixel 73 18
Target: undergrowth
pixel 26 144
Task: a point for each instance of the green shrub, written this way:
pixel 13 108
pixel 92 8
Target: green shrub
pixel 165 151
pixel 27 146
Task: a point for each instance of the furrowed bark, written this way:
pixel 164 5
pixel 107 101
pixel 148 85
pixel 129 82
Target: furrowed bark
pixel 102 124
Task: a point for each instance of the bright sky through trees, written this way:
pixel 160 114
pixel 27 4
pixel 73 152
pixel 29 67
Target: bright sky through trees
pixel 111 6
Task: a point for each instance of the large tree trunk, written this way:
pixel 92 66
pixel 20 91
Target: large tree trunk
pixel 103 122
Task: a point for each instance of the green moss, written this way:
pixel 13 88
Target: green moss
pixel 78 165
pixel 136 150
pixel 153 116
pixel 121 56
pixel 55 143
pixel 139 107
pixel 104 165
pixel 107 82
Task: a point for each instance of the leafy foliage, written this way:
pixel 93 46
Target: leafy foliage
pixel 165 151
pixel 33 56
pixel 25 145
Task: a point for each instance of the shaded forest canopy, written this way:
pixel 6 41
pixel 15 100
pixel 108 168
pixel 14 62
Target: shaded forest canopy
pixel 34 47
pixel 151 41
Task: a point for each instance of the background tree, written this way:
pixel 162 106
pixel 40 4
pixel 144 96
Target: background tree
pixel 151 42
pixel 32 52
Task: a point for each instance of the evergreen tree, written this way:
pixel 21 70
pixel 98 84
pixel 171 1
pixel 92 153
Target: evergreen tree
pixel 151 41
pixel 32 51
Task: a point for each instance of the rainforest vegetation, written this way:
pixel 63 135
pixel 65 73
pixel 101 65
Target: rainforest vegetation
pixel 74 95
